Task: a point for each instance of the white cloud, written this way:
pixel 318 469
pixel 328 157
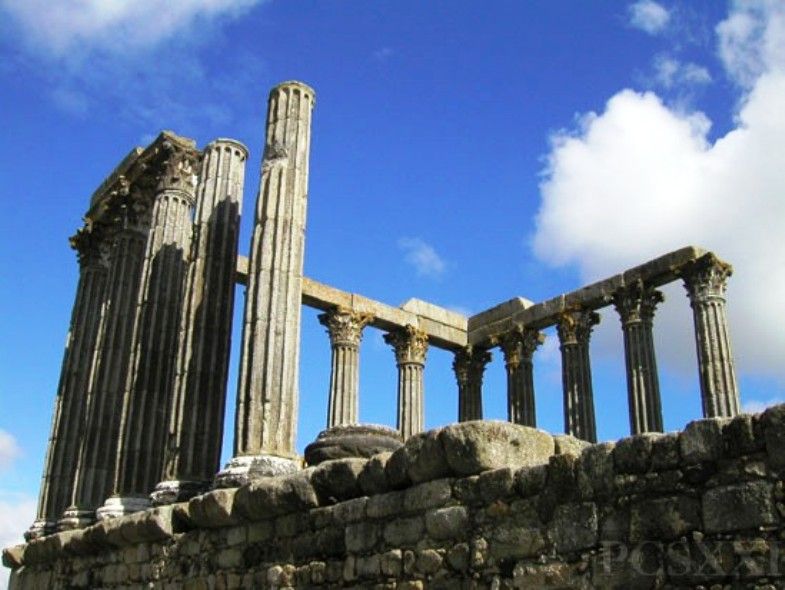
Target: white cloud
pixel 9 450
pixel 757 406
pixel 383 53
pixel 115 26
pixel 649 16
pixel 422 257
pixel 17 513
pixel 752 40
pixel 669 72
pixel 641 179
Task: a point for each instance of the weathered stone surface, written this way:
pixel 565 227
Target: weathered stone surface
pixel 496 484
pixel 385 505
pixel 773 424
pixel 155 524
pixel 428 495
pixel 337 480
pixel 702 441
pixel 574 527
pixel 738 507
pixel 352 440
pixel 396 469
pixel 13 557
pixel 511 541
pixel 404 531
pixel 633 454
pixel 273 496
pixel 372 478
pixel 447 523
pixel 362 536
pixel 425 457
pixel 530 480
pixel 214 509
pixel 474 447
pixel 664 518
pixel 566 444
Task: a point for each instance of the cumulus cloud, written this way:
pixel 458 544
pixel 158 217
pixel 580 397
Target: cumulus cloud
pixel 669 73
pixel 9 450
pixel 118 26
pixel 756 406
pixel 640 179
pixel 423 257
pixel 649 16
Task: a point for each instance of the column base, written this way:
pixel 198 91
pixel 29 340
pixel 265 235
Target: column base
pixel 175 490
pixel 120 506
pixel 75 518
pixel 352 440
pixel 40 528
pixel 245 468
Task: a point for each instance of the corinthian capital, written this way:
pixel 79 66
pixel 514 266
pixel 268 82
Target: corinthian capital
pixel 470 363
pixel 175 167
pixel 91 247
pixel 575 326
pixel 706 278
pixel 409 343
pixel 344 326
pixel 519 344
pixel 637 302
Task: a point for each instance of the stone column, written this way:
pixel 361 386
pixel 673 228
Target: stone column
pixel 411 346
pixel 71 401
pixel 345 329
pixel 518 347
pixel 150 383
pixel 196 421
pixel 574 329
pixel 267 395
pixel 94 477
pixel 636 304
pixel 469 366
pixel 705 281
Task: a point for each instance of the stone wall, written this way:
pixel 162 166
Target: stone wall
pixel 472 505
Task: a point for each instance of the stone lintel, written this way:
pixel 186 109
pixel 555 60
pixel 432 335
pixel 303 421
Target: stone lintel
pixel 654 273
pixel 445 329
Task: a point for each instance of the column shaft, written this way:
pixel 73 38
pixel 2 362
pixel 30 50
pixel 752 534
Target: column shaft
pixel 94 477
pixel 411 346
pixel 150 383
pixel 518 347
pixel 705 281
pixel 469 366
pixel 196 419
pixel 636 304
pixel 72 393
pixel 267 397
pixel 345 330
pixel 574 329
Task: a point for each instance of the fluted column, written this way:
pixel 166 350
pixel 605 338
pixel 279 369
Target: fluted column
pixel 574 329
pixel 469 367
pixel 411 346
pixel 345 330
pixel 636 304
pixel 71 402
pixel 705 281
pixel 150 383
pixel 196 421
pixel 518 347
pixel 267 395
pixel 94 477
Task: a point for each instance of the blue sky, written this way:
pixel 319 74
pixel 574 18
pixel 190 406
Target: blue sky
pixel 463 153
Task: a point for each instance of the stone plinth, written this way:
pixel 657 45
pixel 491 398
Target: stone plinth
pixel 357 440
pixel 267 396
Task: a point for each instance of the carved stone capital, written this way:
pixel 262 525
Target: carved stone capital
pixel 176 168
pixel 470 364
pixel 519 345
pixel 706 278
pixel 410 344
pixel 92 248
pixel 344 326
pixel 637 302
pixel 575 326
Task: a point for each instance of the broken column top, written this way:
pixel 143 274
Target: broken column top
pixel 296 83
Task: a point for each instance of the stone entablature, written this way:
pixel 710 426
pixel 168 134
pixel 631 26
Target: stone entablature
pixel 489 504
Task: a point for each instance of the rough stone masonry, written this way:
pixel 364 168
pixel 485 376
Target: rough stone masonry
pixel 132 492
